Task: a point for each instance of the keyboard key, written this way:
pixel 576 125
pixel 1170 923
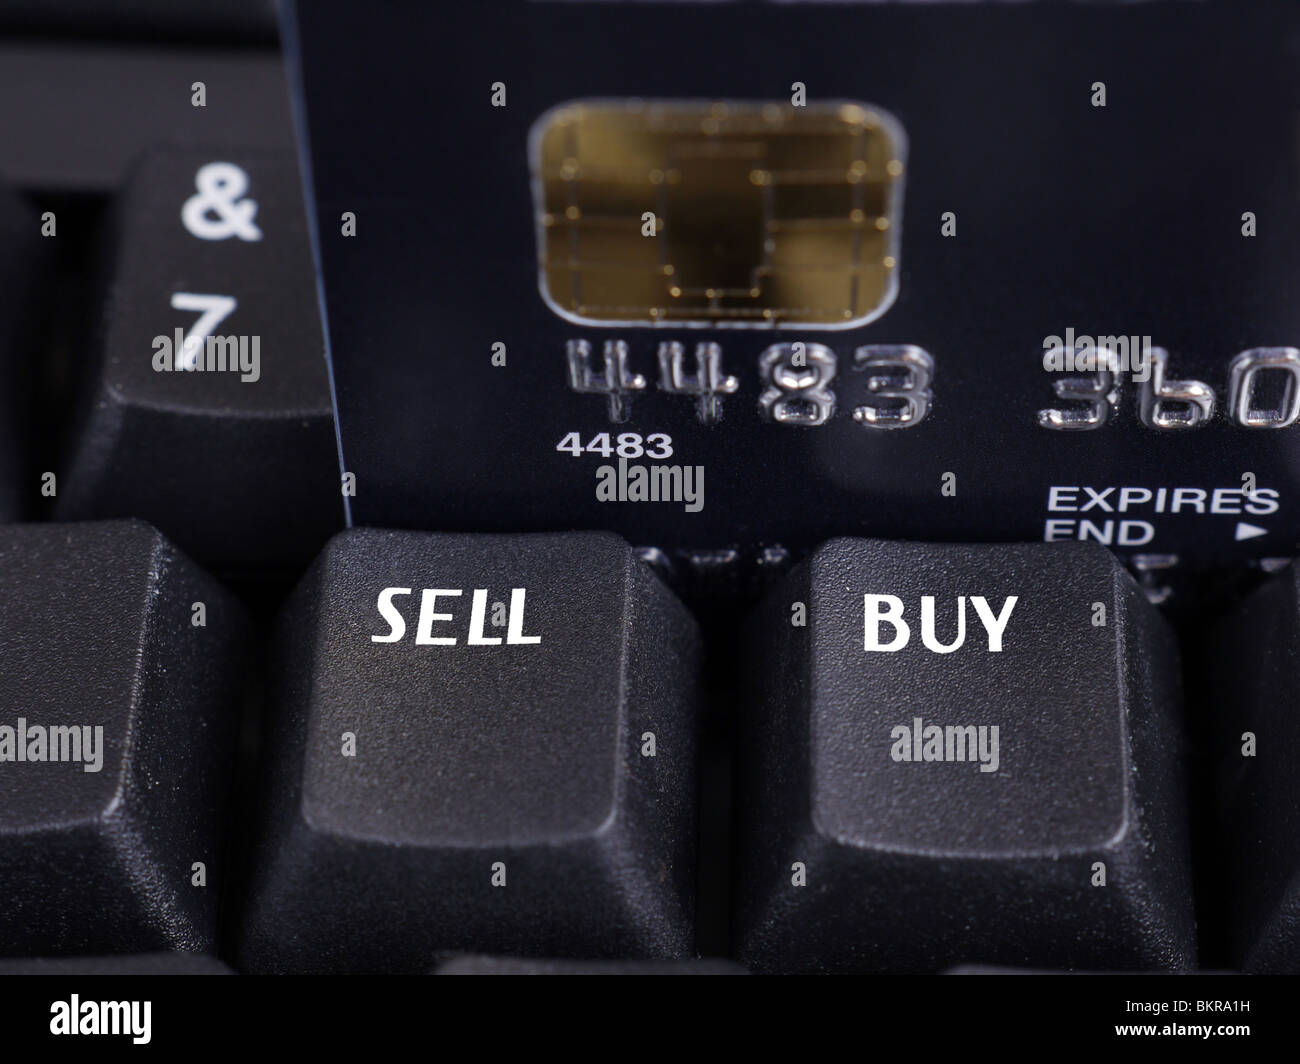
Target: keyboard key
pixel 485 744
pixel 1256 742
pixel 101 107
pixel 480 965
pixel 967 754
pixel 209 411
pixel 119 664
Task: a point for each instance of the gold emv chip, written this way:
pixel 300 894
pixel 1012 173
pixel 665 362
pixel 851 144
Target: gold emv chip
pixel 717 213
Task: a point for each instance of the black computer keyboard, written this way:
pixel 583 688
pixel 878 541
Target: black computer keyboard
pixel 363 608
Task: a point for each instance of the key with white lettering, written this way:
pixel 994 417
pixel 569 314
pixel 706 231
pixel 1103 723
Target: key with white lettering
pixel 961 754
pixel 119 685
pixel 482 744
pixel 207 407
pixel 1254 669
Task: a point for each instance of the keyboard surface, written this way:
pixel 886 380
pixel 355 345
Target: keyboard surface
pixel 363 608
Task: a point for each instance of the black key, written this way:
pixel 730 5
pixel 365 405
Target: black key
pixel 463 758
pixel 235 458
pixel 1256 742
pixel 94 110
pixel 480 965
pixel 118 964
pixel 913 797
pixel 118 672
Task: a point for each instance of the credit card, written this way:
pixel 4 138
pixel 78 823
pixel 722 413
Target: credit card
pixel 733 278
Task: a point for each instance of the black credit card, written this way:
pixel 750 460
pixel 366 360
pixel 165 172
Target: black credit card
pixel 732 278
